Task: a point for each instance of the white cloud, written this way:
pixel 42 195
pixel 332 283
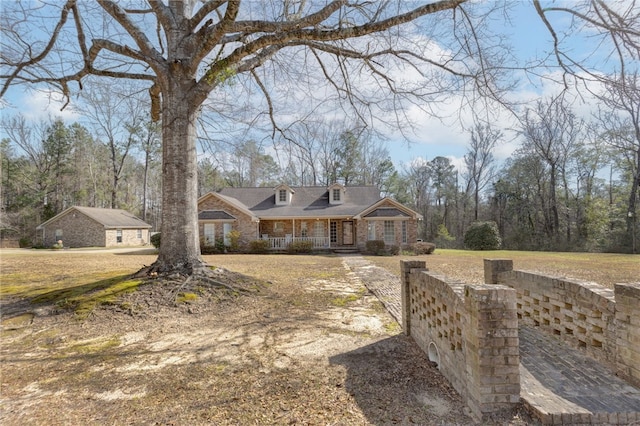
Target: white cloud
pixel 36 105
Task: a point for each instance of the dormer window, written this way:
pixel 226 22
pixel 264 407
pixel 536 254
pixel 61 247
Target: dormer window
pixel 283 194
pixel 336 194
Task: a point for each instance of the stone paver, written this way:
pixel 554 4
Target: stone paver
pixel 382 283
pixel 559 385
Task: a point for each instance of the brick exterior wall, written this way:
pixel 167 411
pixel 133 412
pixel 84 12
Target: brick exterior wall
pixel 267 227
pixel 79 230
pixel 363 234
pixel 129 237
pixel 412 231
pixel 243 224
pixel 251 231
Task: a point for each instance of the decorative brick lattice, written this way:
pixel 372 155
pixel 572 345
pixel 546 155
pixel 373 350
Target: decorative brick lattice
pixel 602 322
pixel 470 330
pixel 435 312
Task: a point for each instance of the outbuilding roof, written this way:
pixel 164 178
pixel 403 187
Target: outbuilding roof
pixel 109 218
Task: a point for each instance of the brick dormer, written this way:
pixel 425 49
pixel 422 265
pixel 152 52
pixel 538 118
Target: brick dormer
pixel 336 194
pixel 283 194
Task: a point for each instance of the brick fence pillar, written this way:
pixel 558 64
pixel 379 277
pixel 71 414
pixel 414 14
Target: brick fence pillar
pixel 628 330
pixel 493 353
pixel 406 266
pixel 492 267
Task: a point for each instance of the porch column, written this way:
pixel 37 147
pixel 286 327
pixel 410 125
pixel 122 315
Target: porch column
pixel 293 231
pixel 329 231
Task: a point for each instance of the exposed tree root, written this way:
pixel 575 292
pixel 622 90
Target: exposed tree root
pixel 186 277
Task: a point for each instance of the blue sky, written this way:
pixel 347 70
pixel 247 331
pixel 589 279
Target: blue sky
pixel 434 138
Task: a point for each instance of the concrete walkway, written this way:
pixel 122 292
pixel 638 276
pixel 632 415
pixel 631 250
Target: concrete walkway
pixel 559 385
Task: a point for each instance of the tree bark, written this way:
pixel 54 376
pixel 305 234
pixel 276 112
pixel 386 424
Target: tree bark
pixel 180 245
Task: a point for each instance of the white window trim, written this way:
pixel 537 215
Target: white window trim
pixel 371 230
pixel 226 228
pixel 404 232
pixel 389 225
pixel 339 190
pixel 318 229
pixel 212 240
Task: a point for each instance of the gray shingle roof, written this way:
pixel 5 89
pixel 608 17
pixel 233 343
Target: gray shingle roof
pixel 110 218
pixel 386 212
pixel 214 215
pixel 113 218
pixel 306 201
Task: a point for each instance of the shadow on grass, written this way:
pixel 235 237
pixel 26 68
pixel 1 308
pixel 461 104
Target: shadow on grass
pixel 79 299
pixel 397 367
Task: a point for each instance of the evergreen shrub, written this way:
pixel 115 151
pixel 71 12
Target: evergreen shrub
pixel 258 246
pixel 375 247
pixel 303 246
pixel 422 247
pixel 155 240
pixel 483 236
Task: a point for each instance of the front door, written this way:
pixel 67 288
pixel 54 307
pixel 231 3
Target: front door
pixel 347 232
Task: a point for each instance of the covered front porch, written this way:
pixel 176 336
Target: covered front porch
pixel 325 233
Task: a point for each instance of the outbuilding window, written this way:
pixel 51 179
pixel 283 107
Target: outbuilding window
pixel 118 235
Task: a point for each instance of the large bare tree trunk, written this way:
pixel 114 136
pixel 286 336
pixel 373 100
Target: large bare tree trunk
pixel 180 247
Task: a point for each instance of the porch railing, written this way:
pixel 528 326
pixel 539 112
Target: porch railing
pixel 281 243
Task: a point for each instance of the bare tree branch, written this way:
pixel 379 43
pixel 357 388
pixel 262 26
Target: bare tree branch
pixel 64 14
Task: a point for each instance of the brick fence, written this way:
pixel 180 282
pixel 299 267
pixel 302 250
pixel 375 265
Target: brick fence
pixel 470 331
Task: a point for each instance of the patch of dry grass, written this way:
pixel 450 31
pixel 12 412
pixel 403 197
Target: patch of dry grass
pixel 605 269
pixel 311 348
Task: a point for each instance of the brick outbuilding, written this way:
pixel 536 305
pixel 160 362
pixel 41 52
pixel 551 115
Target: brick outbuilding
pixel 94 227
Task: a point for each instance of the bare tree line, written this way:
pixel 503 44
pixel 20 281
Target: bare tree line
pixel 569 186
pixel 337 57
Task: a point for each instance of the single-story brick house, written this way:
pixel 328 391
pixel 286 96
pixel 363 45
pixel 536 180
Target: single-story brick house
pixel 94 227
pixel 334 217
